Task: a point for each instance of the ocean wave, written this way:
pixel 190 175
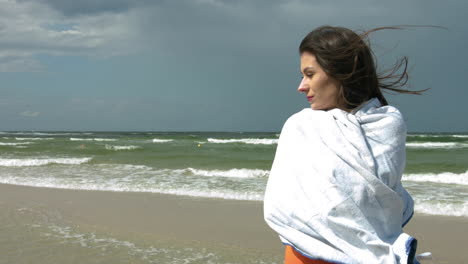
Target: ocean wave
pixel 228 195
pixel 14 144
pixel 35 138
pixel 444 177
pixel 93 139
pixel 157 140
pixel 232 173
pixel 426 135
pixel 81 139
pixel 436 145
pixel 231 184
pixel 429 135
pixel 255 141
pixel 424 206
pixel 41 162
pixel 460 136
pixel 46 133
pixel 441 208
pixel 141 178
pixel 130 147
pixel 437 135
pixel 104 139
pixel 129 167
pixel 123 186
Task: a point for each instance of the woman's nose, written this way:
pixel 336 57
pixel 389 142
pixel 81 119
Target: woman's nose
pixel 302 86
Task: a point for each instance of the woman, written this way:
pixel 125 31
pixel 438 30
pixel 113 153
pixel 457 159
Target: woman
pixel 334 194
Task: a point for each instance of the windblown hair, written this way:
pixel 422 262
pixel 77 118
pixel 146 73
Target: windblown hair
pixel 346 56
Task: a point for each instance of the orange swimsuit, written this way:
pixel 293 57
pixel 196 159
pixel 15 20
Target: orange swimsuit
pixel 291 256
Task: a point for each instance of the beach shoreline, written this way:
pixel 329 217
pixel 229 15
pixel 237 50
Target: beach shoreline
pixel 207 222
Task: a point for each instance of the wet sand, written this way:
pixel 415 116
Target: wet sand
pixel 209 222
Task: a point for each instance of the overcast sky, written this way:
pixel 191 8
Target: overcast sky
pixel 210 65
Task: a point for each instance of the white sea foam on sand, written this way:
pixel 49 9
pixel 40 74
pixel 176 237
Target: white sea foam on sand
pixel 123 186
pixel 441 208
pixel 110 248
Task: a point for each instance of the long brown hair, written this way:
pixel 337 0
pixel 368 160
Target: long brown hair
pixel 346 56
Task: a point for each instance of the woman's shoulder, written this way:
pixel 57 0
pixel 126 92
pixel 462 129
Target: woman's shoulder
pixel 306 113
pixel 373 110
pixel 304 117
pixel 383 122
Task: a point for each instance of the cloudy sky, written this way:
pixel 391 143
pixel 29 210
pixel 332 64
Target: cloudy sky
pixel 209 65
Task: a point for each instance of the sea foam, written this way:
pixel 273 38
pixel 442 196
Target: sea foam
pixel 104 247
pixel 45 133
pixel 444 177
pixel 122 186
pixel 41 162
pixel 232 173
pixel 460 136
pixel 14 144
pixel 440 208
pixel 436 145
pixel 93 139
pixel 35 138
pixel 130 147
pixel 427 135
pixel 157 140
pixel 108 244
pixel 254 141
pixel 438 135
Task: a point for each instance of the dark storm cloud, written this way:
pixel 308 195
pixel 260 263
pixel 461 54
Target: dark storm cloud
pixel 91 7
pixel 232 56
pixel 214 26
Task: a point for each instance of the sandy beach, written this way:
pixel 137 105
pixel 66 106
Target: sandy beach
pixel 235 228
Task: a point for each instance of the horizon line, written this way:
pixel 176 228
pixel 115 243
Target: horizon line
pixel 200 131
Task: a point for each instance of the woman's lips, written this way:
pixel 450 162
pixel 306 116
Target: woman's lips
pixel 309 98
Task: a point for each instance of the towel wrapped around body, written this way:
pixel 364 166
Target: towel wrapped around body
pixel 334 192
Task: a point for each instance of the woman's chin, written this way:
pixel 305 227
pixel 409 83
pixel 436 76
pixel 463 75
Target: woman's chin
pixel 316 107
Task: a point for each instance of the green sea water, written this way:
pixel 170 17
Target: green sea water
pixel 233 166
pixel 218 165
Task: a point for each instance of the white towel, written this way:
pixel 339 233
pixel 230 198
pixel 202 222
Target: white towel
pixel 334 191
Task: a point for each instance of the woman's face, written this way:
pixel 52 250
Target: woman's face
pixel 320 88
